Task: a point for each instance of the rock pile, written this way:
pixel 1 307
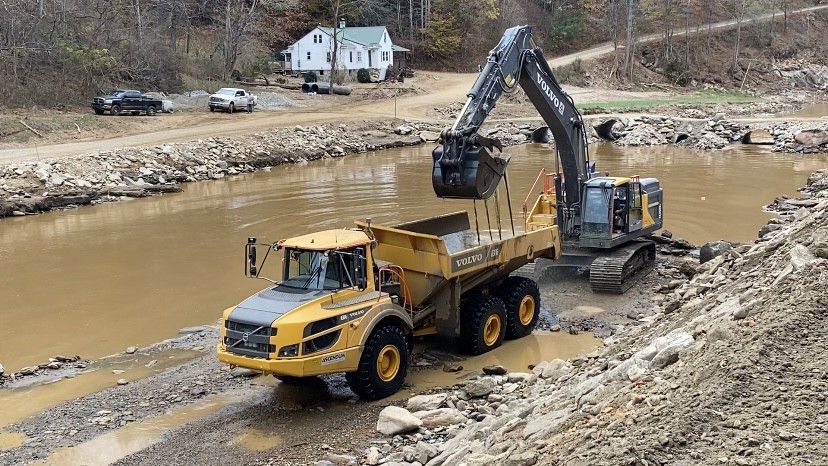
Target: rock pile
pixel 798 137
pixel 731 370
pixel 32 187
pixel 712 134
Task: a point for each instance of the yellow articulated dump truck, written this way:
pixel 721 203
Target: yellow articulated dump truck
pixel 352 300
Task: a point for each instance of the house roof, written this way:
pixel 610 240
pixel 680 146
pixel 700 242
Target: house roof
pixel 366 35
pixel 397 48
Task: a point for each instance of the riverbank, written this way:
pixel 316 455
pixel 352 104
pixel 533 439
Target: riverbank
pixel 33 187
pixel 71 413
pixel 618 398
pixel 730 369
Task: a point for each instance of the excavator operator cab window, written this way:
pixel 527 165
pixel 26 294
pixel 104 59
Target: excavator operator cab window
pixel 619 208
pixel 596 223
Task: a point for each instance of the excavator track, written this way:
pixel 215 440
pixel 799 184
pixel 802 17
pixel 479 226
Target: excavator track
pixel 617 272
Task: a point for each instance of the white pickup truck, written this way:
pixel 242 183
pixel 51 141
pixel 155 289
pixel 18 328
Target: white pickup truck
pixel 230 99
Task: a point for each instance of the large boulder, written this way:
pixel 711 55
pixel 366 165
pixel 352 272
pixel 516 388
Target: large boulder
pixel 394 420
pixel 479 387
pixel 441 417
pixel 425 402
pixel 812 137
pixel 713 249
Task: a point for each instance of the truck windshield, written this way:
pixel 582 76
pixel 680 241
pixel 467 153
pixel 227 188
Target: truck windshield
pixel 317 270
pixel 226 91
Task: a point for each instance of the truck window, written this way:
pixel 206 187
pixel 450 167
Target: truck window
pixel 320 270
pixel 132 94
pixel 239 93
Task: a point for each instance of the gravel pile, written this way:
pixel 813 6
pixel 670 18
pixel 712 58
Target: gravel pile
pixel 730 370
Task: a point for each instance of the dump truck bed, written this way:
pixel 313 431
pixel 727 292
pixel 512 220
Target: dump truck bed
pixel 441 249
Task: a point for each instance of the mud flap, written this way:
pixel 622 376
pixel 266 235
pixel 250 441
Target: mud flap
pixel 474 174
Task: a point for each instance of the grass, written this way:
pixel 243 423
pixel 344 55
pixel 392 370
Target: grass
pixel 704 97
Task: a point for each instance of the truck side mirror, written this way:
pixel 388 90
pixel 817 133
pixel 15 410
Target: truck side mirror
pixel 359 269
pixel 250 261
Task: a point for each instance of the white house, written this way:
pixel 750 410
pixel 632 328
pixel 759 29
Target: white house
pixel 359 47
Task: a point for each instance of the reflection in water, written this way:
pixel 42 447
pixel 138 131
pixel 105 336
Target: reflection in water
pixel 257 440
pixel 514 355
pixel 112 446
pixel 21 402
pixel 815 110
pixel 11 440
pixel 94 280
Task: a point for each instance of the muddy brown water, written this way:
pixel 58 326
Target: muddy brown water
pixel 95 280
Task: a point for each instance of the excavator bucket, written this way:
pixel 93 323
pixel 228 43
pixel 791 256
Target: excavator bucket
pixel 474 174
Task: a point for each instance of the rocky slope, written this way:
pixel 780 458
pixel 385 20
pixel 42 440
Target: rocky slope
pixel 731 369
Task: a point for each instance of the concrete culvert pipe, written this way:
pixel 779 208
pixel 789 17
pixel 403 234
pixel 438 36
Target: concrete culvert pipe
pixel 323 88
pixel 757 136
pixel 604 130
pixel 540 135
pixel 680 137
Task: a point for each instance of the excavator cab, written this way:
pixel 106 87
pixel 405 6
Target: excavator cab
pixel 618 209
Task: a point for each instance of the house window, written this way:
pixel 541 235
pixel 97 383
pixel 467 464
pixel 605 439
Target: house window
pixel 329 57
pixel 308 55
pixel 359 56
pixel 317 38
pixel 351 56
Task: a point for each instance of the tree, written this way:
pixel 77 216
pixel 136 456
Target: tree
pixel 237 17
pixel 628 49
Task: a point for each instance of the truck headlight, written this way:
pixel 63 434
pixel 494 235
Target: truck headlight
pixel 107 101
pixel 289 351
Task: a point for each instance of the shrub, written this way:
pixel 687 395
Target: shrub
pixel 363 75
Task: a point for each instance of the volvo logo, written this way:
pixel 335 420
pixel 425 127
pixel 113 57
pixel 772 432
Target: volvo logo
pixel 559 106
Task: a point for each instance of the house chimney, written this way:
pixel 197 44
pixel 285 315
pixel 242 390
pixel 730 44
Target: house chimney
pixel 342 23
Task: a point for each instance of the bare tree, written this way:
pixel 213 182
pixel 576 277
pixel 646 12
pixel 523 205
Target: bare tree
pixel 628 51
pixel 237 17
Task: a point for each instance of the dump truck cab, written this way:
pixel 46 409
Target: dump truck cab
pixel 313 321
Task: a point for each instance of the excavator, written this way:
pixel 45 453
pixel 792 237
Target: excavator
pixel 602 219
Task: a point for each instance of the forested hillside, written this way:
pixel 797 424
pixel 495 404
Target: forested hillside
pixel 56 52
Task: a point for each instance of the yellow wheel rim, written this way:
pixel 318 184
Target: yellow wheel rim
pixel 491 330
pixel 388 363
pixel 526 312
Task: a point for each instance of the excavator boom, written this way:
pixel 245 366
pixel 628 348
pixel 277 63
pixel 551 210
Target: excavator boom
pixel 465 167
pixel 601 219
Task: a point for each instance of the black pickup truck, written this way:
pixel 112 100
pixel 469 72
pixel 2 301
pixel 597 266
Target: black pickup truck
pixel 126 101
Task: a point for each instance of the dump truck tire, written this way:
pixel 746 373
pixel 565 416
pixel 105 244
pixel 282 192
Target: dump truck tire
pixel 483 324
pixel 383 364
pixel 522 299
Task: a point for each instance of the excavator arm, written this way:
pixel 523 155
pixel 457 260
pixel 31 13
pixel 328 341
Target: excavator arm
pixel 464 165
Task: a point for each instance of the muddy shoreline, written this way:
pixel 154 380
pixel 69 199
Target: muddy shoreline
pixel 32 187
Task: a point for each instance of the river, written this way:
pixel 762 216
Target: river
pixel 94 280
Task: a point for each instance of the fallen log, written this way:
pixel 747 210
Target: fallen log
pixel 29 128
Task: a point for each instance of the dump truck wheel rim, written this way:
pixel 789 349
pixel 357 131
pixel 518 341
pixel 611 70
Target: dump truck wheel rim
pixel 388 363
pixel 526 312
pixel 491 331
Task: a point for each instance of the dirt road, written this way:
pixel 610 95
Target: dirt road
pixel 442 89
